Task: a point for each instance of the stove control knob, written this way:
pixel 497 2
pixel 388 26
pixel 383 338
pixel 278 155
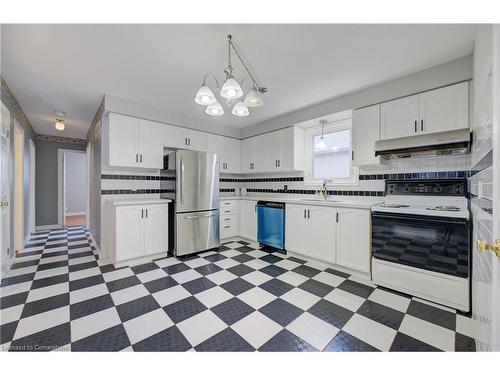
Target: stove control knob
pixel 438 189
pixel 407 189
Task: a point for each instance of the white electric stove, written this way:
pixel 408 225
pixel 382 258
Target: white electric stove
pixel 421 240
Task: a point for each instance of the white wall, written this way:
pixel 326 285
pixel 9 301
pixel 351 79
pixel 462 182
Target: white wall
pixel 75 182
pixel 441 75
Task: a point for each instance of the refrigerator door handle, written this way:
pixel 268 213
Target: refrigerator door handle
pixel 199 216
pixel 182 182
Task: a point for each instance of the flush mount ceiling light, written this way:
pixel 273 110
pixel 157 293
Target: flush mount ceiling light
pixel 59 124
pixel 231 90
pixel 321 144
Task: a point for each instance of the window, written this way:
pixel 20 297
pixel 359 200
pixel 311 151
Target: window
pixel 329 155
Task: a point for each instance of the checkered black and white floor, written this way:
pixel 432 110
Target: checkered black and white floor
pixel 242 298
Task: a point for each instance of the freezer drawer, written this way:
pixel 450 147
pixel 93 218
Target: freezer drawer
pixel 196 231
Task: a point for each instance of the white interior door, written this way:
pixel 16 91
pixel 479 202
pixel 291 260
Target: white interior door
pixel 4 191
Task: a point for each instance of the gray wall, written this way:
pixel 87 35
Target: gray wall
pixel 46 180
pixel 440 75
pixel 75 180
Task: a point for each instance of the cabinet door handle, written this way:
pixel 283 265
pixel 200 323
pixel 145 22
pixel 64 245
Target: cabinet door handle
pixel 185 141
pixel 142 213
pixel 146 213
pixel 227 219
pixel 305 214
pixel 415 126
pixel 141 158
pixel 422 125
pixel 189 141
pixel 279 163
pixel 308 214
pixel 227 227
pixel 337 218
pixel 137 158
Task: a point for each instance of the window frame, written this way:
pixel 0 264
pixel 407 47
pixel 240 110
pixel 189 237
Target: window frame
pixel 309 134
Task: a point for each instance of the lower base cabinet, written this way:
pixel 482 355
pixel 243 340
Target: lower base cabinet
pixel 248 219
pixel 310 231
pixel 138 230
pixel 335 235
pixel 353 239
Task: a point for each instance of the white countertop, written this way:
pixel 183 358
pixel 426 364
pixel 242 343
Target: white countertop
pixel 132 201
pixel 334 201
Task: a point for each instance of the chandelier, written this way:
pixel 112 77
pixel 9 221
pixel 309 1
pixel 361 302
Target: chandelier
pixel 231 90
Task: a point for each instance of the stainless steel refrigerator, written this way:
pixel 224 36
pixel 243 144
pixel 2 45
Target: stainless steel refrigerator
pixel 191 179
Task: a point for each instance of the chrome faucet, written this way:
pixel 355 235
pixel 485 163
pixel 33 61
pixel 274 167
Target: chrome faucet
pixel 323 190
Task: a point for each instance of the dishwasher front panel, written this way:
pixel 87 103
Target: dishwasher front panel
pixel 271 224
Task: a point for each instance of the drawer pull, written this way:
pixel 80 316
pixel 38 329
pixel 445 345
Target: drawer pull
pixel 227 219
pixel 227 227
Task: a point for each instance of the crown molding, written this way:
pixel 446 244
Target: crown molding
pixel 53 138
pixel 19 113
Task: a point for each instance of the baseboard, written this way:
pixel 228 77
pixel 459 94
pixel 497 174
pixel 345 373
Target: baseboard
pixel 46 227
pixel 75 213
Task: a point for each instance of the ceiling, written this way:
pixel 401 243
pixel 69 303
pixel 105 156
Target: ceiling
pixel 70 67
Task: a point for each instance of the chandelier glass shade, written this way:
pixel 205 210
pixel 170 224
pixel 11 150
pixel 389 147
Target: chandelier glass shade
pixel 240 109
pixel 214 109
pixel 231 90
pixel 205 96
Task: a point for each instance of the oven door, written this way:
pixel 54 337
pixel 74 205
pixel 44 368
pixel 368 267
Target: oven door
pixel 433 243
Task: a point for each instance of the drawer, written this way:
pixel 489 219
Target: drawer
pixel 228 203
pixel 229 210
pixel 228 230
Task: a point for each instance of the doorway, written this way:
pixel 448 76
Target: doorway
pixel 18 187
pixel 5 256
pixel 72 187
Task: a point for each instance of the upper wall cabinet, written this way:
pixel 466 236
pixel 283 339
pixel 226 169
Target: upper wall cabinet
pixel 281 150
pixel 228 150
pixel 182 138
pixel 399 118
pixel 444 109
pixel 130 142
pixel 366 131
pixel 433 111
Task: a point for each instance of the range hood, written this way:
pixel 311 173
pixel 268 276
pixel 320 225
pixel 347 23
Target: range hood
pixel 443 143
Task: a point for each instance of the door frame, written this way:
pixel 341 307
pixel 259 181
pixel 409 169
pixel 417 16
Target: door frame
pixel 32 186
pixel 19 203
pixel 4 267
pixel 61 186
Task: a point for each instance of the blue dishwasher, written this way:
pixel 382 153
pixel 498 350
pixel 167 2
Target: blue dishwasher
pixel 271 224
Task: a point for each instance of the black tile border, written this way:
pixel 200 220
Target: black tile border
pixel 135 177
pixel 415 175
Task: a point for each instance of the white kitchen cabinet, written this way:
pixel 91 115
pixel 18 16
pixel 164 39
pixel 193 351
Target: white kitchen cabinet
pixel 433 111
pixel 176 137
pixel 444 109
pixel 353 239
pixel 229 153
pixel 281 150
pixel 137 230
pixel 155 228
pixel 310 231
pixel 229 218
pixel 399 118
pixel 248 219
pixel 129 243
pixel 131 142
pixel 122 140
pixel 151 144
pixel 248 155
pixel 196 140
pixel 366 131
pixel 295 228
